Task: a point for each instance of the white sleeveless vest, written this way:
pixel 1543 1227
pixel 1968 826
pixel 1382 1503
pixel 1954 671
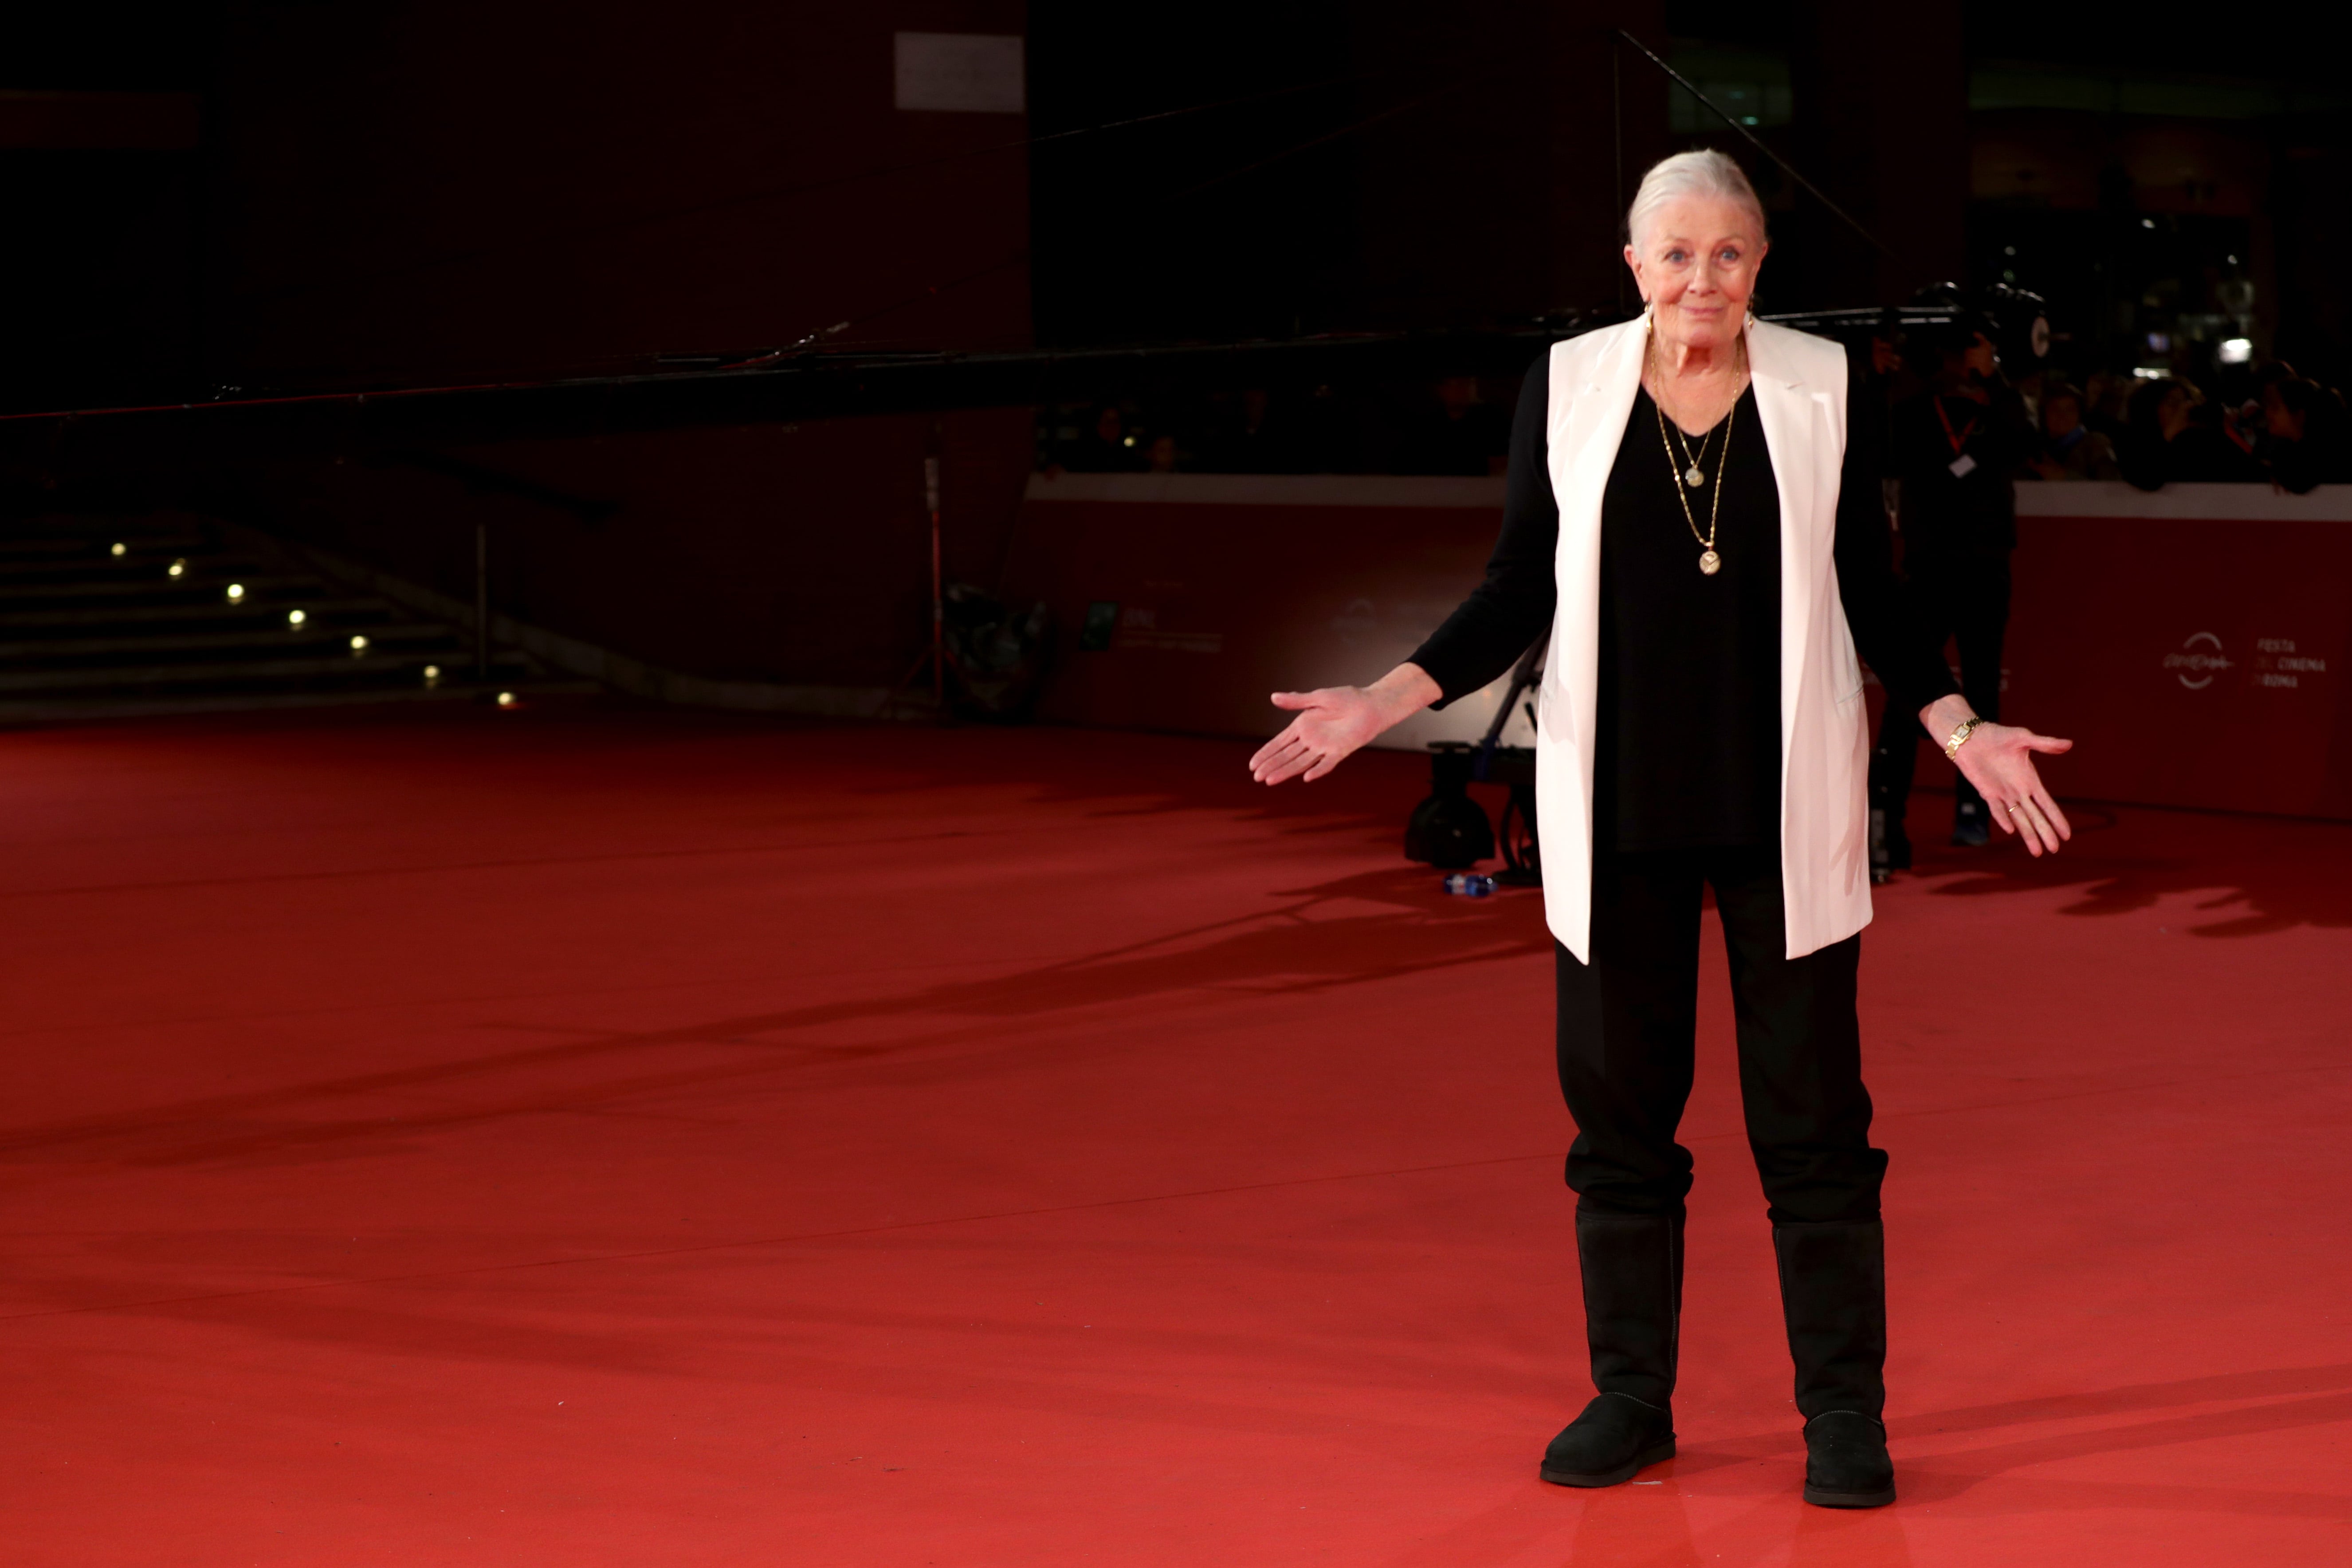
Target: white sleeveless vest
pixel 1800 381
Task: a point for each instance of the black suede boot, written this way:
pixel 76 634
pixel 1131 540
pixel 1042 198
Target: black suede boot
pixel 1833 1294
pixel 1616 1436
pixel 1846 1461
pixel 1632 1268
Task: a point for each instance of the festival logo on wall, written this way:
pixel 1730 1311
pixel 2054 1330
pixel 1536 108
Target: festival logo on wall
pixel 2276 662
pixel 2200 659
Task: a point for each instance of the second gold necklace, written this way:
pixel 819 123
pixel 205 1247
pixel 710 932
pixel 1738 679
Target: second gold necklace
pixel 1709 562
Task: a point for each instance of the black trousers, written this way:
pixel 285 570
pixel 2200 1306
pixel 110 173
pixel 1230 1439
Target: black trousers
pixel 1628 1021
pixel 1966 601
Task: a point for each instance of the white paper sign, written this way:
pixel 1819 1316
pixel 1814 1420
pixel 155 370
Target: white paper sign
pixel 965 73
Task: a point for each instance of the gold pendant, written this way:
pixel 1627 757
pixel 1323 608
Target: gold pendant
pixel 1709 563
pixel 1693 477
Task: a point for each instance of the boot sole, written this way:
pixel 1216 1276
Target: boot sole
pixel 1820 1498
pixel 1658 1455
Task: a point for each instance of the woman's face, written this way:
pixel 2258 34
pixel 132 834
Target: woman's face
pixel 2279 419
pixel 1696 264
pixel 2172 414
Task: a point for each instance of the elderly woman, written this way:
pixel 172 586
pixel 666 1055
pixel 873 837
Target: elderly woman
pixel 1679 520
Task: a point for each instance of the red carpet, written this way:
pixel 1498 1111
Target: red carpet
pixel 570 1139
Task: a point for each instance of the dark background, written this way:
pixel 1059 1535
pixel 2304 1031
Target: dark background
pixel 268 197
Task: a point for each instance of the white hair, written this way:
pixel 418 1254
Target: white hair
pixel 1704 173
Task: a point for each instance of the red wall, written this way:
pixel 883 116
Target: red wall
pixel 1230 587
pixel 2192 643
pixel 2193 662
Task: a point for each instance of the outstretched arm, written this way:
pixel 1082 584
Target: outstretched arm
pixel 1998 760
pixel 1479 641
pixel 1338 720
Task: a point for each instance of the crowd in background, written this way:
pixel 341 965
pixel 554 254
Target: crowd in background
pixel 2275 428
pixel 2265 425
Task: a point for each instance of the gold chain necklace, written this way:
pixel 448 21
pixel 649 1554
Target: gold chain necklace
pixel 1691 477
pixel 1692 474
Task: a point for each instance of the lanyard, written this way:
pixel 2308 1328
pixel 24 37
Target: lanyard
pixel 1966 430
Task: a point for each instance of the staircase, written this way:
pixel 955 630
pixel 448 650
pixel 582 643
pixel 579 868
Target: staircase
pixel 110 618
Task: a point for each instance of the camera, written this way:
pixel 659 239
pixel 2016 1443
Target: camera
pixel 2014 320
pixel 1944 317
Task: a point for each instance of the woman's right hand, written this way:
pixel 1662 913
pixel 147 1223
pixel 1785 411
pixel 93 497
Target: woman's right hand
pixel 1338 720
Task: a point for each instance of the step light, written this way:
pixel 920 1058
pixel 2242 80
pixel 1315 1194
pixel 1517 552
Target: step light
pixel 294 618
pixel 432 676
pixel 176 569
pixel 359 645
pixel 236 593
pixel 508 699
pixel 118 550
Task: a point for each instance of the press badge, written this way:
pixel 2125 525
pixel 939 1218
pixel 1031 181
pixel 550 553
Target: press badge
pixel 1963 466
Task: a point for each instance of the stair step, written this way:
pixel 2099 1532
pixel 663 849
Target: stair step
pixel 99 567
pixel 89 710
pixel 355 614
pixel 102 541
pixel 274 637
pixel 190 589
pixel 14 551
pixel 88 634
pixel 340 670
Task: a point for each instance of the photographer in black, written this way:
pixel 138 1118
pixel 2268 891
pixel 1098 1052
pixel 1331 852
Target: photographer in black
pixel 1954 448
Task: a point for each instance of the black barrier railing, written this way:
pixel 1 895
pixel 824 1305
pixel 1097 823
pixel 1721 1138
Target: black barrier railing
pixel 810 387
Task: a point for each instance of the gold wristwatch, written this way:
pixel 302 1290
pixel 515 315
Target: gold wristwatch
pixel 1959 736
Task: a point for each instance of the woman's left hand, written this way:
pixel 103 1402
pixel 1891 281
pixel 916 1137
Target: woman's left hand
pixel 1998 760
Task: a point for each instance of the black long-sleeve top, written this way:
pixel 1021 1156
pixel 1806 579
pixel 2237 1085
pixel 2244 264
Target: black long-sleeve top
pixel 1688 742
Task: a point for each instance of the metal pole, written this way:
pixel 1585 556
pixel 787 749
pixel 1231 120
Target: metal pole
pixel 939 586
pixel 482 602
pixel 1617 119
pixel 1753 140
